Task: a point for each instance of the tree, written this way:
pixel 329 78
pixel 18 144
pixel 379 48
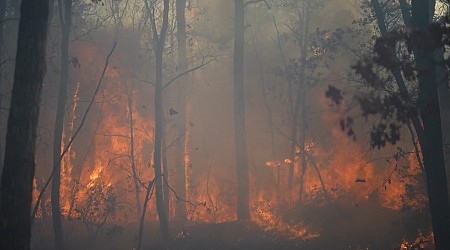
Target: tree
pixel 2 23
pixel 300 103
pixel 180 209
pixel 427 70
pixel 134 172
pixel 240 146
pixel 159 39
pixel 65 18
pixel 19 166
pixel 429 108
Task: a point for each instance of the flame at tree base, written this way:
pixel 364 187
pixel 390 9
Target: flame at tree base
pixel 263 214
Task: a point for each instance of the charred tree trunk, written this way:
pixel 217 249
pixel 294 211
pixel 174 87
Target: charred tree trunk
pixel 180 209
pixel 429 106
pixel 241 155
pixel 65 17
pixel 19 166
pixel 158 48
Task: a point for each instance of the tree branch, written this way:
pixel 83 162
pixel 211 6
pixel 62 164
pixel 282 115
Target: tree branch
pixel 186 72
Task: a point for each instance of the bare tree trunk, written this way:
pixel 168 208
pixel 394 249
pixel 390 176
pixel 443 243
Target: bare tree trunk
pixel 19 166
pixel 65 17
pixel 132 159
pixel 144 210
pixel 429 106
pixel 241 155
pixel 2 18
pixel 158 48
pixel 163 221
pixel 180 209
pixel 303 161
pixel 299 108
pixel 165 169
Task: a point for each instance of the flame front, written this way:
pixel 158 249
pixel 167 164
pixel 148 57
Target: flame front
pixel 100 164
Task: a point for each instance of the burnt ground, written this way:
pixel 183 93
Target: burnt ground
pixel 350 225
pixel 224 236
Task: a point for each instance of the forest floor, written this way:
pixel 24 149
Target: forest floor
pixel 356 227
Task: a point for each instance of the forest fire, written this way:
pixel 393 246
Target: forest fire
pixel 264 216
pixel 118 163
pixel 110 184
pixel 226 125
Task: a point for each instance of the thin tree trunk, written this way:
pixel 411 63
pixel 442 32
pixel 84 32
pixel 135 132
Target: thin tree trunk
pixel 65 17
pixel 429 106
pixel 163 221
pixel 241 155
pixel 319 176
pixel 302 96
pixel 180 209
pixel 19 166
pixel 144 210
pixel 303 161
pixel 300 102
pixel 165 172
pixel 132 158
pixel 158 47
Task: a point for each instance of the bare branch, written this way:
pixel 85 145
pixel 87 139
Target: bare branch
pixel 36 206
pixel 144 81
pixel 178 198
pixel 203 64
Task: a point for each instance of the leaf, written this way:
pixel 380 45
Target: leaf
pixel 334 94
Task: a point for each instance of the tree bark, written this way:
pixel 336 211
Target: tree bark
pixel 19 166
pixel 65 17
pixel 241 155
pixel 159 42
pixel 2 18
pixel 180 209
pixel 429 106
pixel 15 5
pixel 165 173
pixel 302 95
pixel 132 158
